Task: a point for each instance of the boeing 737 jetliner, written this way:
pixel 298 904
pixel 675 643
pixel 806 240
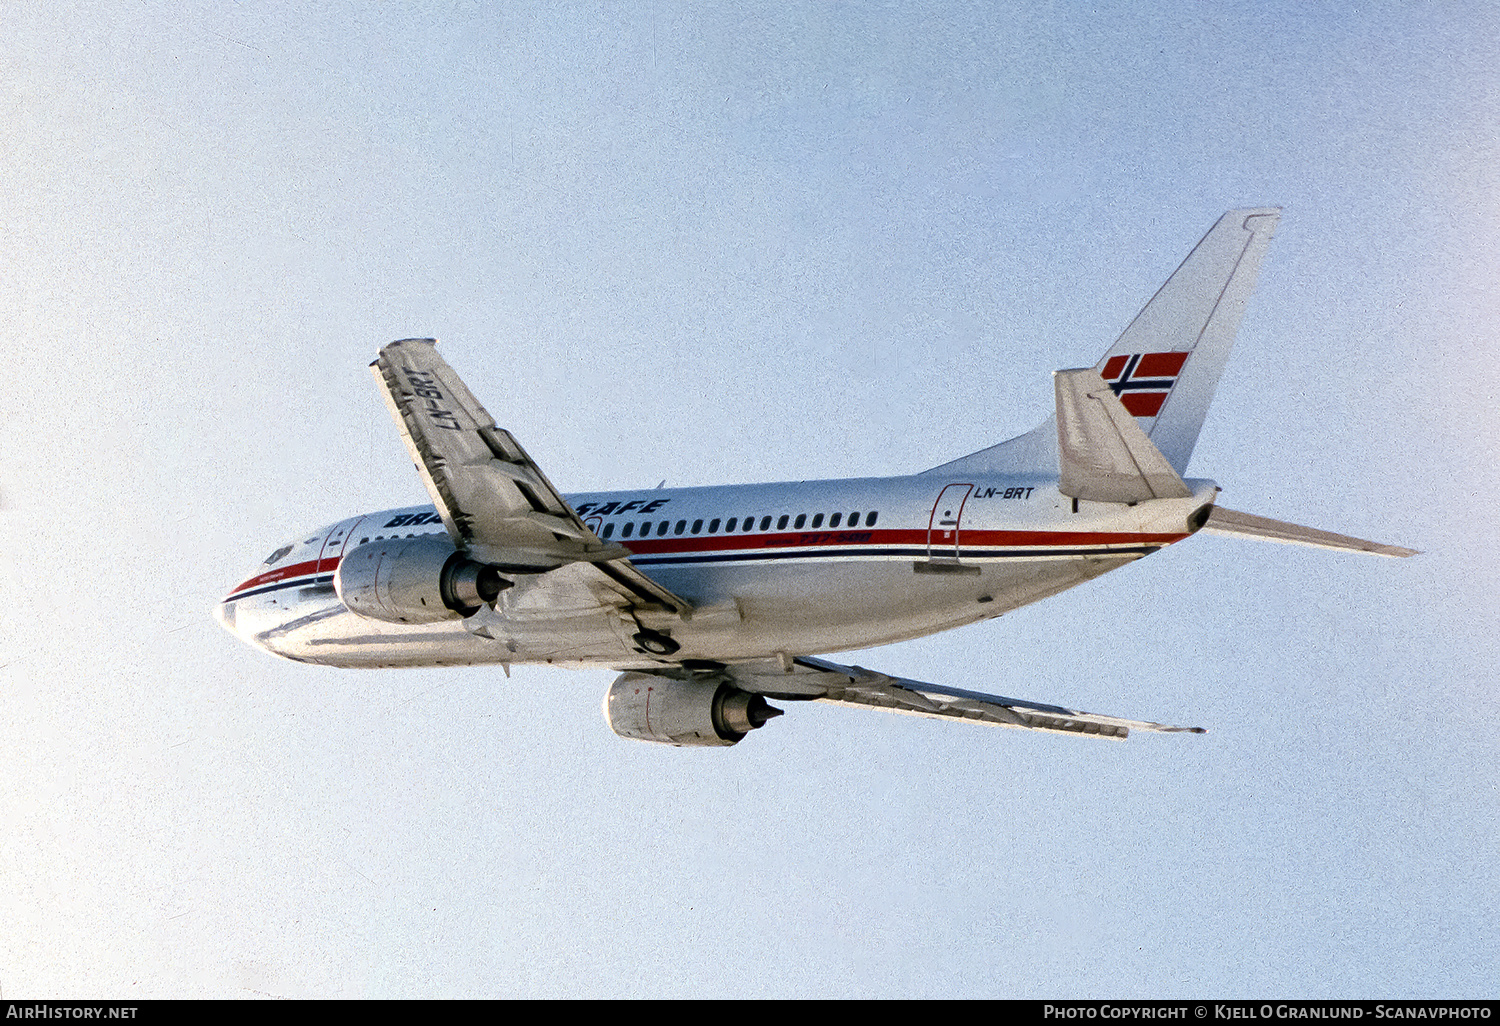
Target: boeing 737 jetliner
pixel 714 600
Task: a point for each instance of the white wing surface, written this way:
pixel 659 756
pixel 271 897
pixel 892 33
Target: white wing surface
pixel 819 679
pixel 496 503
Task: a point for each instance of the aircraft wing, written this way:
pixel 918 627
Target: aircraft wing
pixel 495 501
pixel 821 680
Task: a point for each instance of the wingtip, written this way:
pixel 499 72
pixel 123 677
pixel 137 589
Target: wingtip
pixel 388 347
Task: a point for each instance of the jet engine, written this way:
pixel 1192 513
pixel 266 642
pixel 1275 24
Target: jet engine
pixel 686 713
pixel 415 580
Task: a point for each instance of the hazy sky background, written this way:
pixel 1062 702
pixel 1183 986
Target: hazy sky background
pixel 731 243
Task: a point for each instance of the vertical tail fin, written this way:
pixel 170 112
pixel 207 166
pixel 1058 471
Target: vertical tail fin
pixel 1166 365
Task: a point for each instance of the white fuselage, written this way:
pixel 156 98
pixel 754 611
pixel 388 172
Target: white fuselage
pixel 772 570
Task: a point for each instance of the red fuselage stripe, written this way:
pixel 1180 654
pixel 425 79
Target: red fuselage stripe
pixel 831 540
pixel 312 566
pixel 975 539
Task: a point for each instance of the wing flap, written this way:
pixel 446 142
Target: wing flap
pixel 495 501
pixel 485 487
pixel 826 681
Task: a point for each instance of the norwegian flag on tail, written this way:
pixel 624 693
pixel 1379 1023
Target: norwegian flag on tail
pixel 1143 380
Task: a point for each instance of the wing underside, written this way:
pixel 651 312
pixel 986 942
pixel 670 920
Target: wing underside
pixel 495 501
pixel 807 679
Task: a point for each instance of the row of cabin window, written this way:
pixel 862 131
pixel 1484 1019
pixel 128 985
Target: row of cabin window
pixel 734 523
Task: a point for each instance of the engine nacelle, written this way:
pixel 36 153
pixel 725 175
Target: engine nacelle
pixel 414 580
pixel 646 707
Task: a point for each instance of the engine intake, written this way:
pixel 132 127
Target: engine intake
pixel 687 713
pixel 415 580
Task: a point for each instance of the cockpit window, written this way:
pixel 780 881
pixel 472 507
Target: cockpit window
pixel 273 557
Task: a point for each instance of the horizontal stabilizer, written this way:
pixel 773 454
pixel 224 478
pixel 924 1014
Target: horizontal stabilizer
pixel 1227 521
pixel 1102 453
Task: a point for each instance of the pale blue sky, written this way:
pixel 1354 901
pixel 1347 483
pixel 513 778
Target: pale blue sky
pixel 724 243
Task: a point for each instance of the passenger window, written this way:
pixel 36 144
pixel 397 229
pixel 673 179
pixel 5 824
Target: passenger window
pixel 681 526
pixel 609 530
pixel 870 519
pixel 698 525
pixel 781 524
pixel 765 523
pixel 625 531
pixel 833 521
pixel 661 528
pixel 801 521
pixel 853 519
pixel 817 521
pixel 729 527
pixel 713 526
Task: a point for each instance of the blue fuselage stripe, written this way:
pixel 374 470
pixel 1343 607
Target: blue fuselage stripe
pixel 295 582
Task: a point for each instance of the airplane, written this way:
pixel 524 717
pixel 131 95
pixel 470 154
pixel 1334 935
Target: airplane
pixel 715 601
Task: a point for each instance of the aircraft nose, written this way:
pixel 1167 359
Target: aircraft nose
pixel 224 613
